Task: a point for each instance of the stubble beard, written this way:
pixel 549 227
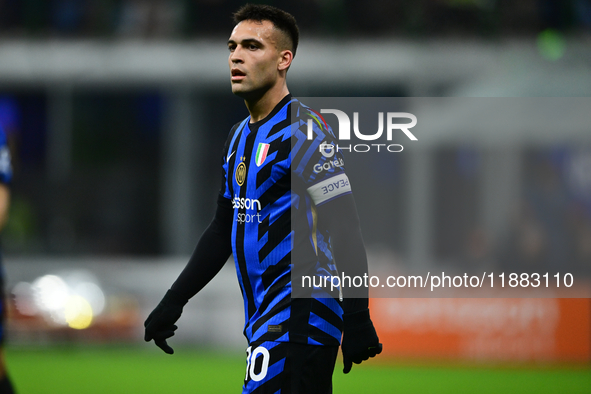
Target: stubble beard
pixel 252 94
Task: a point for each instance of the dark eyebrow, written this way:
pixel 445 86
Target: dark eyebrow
pixel 247 41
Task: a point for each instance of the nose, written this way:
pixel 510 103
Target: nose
pixel 235 56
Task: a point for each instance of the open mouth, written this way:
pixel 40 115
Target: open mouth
pixel 237 74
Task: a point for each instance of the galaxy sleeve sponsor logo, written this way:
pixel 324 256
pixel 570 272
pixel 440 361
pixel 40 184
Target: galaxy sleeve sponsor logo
pixel 326 149
pixel 329 188
pixel 328 165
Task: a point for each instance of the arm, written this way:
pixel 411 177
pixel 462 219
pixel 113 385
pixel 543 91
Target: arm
pixel 360 340
pixel 210 255
pixel 336 211
pixel 340 218
pixel 208 258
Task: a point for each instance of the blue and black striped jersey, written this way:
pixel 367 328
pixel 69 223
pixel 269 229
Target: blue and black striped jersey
pixel 275 176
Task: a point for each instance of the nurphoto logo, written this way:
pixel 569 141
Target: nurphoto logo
pixel 344 131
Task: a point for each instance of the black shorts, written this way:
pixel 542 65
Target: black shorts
pixel 289 368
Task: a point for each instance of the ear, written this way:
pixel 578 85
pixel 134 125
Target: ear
pixel 285 58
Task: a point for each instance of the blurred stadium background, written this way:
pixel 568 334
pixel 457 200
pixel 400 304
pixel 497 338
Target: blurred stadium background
pixel 116 113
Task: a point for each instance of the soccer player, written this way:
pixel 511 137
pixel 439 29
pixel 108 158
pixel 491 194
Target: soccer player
pixel 285 210
pixel 5 178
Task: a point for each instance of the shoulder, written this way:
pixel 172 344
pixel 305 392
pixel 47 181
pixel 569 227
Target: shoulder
pixel 235 128
pixel 232 133
pixel 302 115
pixel 236 125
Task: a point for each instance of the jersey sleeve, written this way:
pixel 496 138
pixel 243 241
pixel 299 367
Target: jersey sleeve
pixel 316 162
pixel 5 160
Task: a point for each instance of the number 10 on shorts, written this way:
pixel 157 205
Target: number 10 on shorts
pixel 251 358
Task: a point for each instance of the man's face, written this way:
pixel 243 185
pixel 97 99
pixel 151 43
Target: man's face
pixel 254 58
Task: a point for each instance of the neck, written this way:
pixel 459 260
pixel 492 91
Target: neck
pixel 262 106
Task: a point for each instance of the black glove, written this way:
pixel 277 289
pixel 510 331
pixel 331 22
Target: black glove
pixel 360 340
pixel 160 324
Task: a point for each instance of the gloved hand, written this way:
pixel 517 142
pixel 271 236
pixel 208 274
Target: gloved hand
pixel 360 340
pixel 160 324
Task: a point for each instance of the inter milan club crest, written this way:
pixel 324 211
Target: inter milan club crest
pixel 240 173
pixel 261 154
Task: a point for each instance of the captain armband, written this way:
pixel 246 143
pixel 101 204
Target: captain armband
pixel 329 189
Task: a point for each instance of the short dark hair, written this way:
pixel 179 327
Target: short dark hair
pixel 279 18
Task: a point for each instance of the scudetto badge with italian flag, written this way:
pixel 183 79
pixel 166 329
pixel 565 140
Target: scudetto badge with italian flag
pixel 261 154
